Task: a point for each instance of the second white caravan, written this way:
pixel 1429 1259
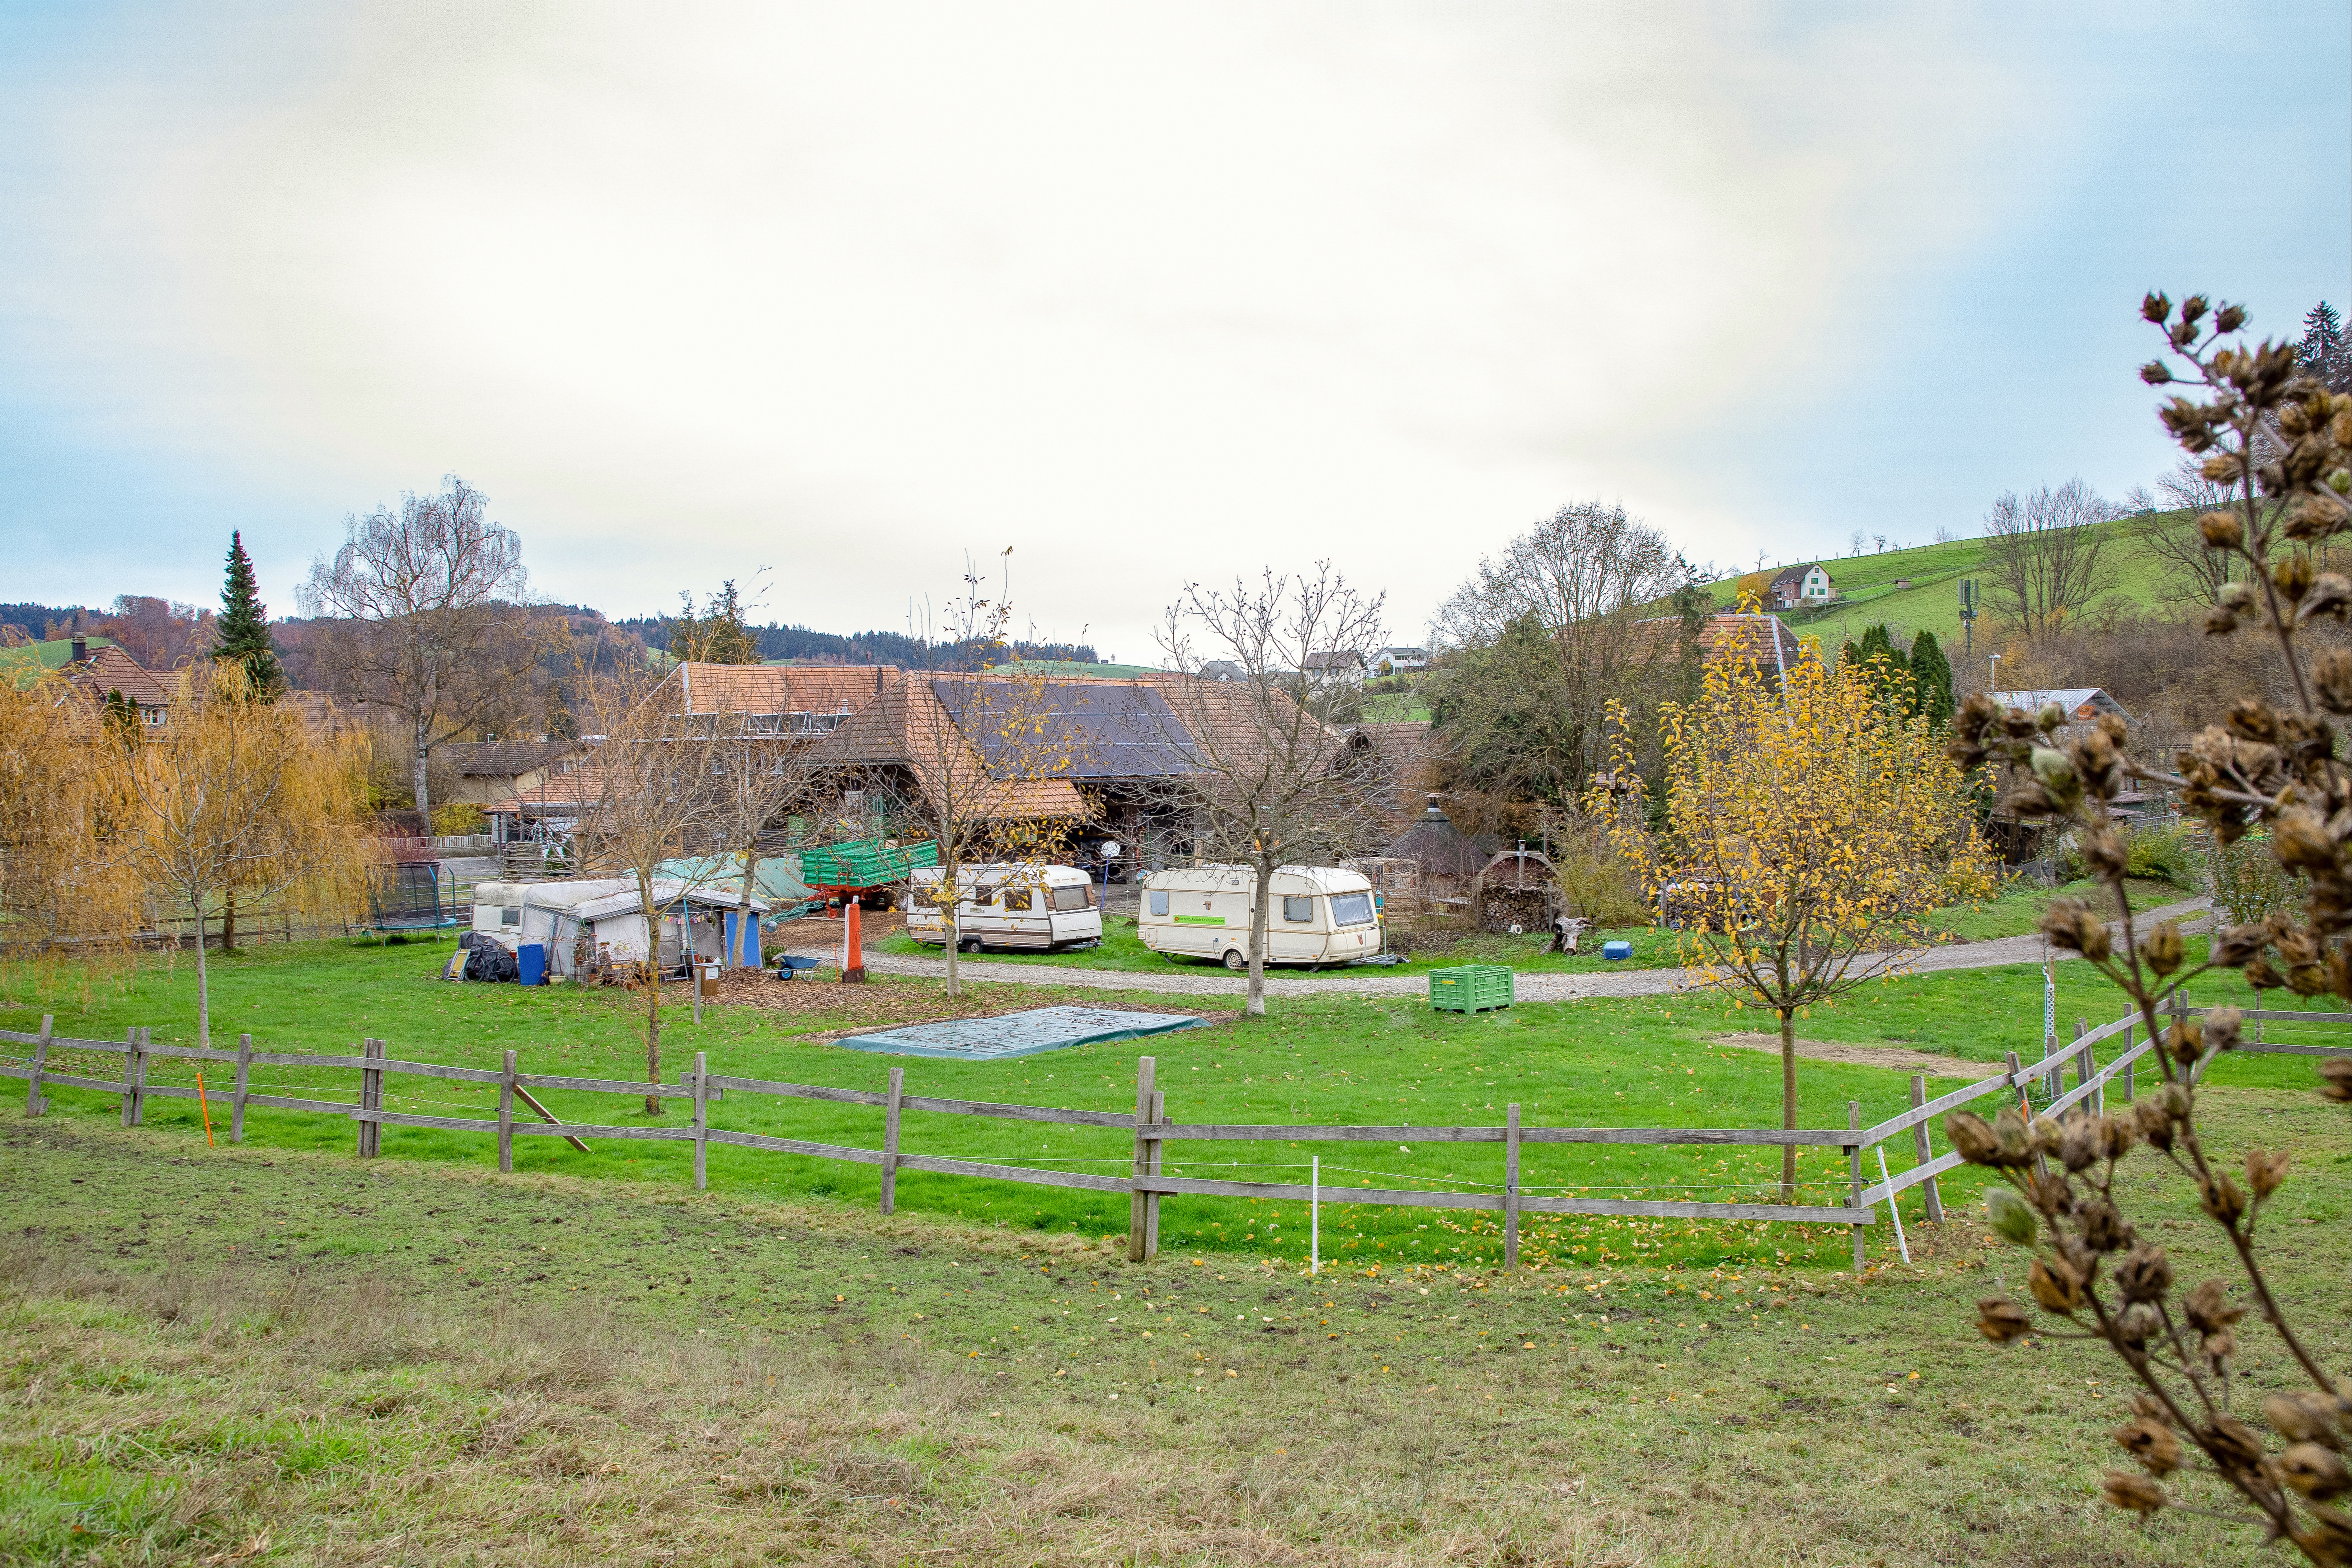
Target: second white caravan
pixel 1317 915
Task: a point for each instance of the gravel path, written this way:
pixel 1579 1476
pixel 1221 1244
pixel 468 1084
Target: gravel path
pixel 1530 987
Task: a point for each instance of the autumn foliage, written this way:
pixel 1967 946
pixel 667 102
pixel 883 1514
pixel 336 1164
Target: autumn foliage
pixel 1810 824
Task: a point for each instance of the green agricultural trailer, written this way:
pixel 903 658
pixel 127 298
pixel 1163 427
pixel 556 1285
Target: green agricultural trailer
pixel 862 864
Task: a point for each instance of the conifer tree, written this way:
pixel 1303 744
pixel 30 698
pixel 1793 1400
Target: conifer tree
pixel 2325 353
pixel 245 626
pixel 1931 682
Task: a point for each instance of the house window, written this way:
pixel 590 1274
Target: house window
pixel 1159 903
pixel 1298 911
pixel 1351 909
pixel 1077 895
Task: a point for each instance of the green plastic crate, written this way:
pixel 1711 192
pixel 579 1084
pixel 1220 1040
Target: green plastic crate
pixel 1470 988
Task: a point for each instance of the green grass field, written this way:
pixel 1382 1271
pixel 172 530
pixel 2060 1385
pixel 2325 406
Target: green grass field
pixel 286 1356
pixel 1865 585
pixel 1356 1061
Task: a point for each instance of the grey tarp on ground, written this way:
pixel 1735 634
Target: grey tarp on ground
pixel 1019 1034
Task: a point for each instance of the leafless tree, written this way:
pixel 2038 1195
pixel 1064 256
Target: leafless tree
pixel 988 753
pixel 1545 636
pixel 429 602
pixel 1270 780
pixel 2046 555
pixel 651 799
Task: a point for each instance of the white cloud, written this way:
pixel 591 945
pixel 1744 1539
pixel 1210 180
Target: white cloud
pixel 1148 295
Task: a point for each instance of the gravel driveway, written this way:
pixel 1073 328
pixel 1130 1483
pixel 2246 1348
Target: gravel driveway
pixel 1189 981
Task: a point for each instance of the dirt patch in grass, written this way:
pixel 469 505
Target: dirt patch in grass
pixel 1899 1058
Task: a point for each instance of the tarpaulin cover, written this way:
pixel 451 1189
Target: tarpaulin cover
pixel 1021 1034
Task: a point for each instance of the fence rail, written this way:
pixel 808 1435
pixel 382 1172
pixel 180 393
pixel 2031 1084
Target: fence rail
pixel 1146 1183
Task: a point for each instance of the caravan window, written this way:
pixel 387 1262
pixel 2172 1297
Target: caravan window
pixel 510 916
pixel 1081 895
pixel 1300 910
pixel 1351 909
pixel 1016 898
pixel 1159 903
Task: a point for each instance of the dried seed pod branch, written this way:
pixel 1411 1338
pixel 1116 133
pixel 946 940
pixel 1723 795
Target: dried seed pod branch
pixel 2281 443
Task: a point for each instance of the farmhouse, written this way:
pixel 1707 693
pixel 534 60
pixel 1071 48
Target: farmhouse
pixel 1796 586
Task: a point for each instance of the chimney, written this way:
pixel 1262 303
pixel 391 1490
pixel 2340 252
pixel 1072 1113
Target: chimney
pixel 80 650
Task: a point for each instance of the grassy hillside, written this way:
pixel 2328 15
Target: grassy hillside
pixel 1866 584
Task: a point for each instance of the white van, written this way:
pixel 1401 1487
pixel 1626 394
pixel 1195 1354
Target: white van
pixel 1039 906
pixel 1317 915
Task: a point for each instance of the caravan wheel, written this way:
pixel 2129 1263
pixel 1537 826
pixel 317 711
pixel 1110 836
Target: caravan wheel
pixel 1234 960
pixel 969 946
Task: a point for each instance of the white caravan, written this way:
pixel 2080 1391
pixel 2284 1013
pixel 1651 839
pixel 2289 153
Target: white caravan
pixel 1318 914
pixel 1043 907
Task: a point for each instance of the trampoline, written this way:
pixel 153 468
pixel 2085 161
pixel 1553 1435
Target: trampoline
pixel 1025 1033
pixel 408 897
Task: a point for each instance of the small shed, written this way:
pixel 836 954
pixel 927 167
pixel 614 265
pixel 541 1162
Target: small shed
pixel 589 923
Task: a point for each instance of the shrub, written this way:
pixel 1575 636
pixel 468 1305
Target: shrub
pixel 1597 882
pixel 2245 880
pixel 456 819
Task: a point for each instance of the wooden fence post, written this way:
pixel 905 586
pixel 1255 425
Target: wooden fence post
pixel 131 1080
pixel 1511 1186
pixel 140 1078
pixel 1853 1174
pixel 1159 1151
pixel 701 1117
pixel 1933 1199
pixel 237 1098
pixel 1146 1067
pixel 2016 1066
pixel 2129 1067
pixel 890 1138
pixel 506 1116
pixel 371 1139
pixel 34 1104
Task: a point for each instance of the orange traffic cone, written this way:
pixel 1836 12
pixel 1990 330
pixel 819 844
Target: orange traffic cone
pixel 852 946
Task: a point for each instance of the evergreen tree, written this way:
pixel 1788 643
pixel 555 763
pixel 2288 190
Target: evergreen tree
pixel 1875 643
pixel 243 632
pixel 718 636
pixel 1931 681
pixel 2324 352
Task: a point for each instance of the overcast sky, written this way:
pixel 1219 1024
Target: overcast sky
pixel 1146 293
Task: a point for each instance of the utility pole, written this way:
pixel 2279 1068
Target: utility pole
pixel 1968 619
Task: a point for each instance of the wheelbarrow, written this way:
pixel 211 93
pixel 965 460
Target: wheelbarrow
pixel 791 966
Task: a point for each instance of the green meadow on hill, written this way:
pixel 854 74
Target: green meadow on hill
pixel 1867 592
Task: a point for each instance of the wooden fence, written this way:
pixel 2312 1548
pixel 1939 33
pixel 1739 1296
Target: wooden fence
pixel 1146 1183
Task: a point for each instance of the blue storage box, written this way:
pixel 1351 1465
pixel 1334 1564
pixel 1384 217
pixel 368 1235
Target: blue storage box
pixel 1613 951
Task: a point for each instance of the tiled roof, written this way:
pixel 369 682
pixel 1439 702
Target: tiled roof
pixel 112 669
pixel 2080 703
pixel 770 688
pixel 1733 636
pixel 908 725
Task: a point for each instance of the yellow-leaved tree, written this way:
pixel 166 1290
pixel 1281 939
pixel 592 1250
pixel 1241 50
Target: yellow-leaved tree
pixel 242 798
pixel 1810 824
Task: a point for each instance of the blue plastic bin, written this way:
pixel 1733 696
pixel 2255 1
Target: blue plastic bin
pixel 530 958
pixel 1614 950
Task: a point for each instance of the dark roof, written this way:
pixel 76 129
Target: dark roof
pixel 507 759
pixel 1113 729
pixel 1789 574
pixel 1439 845
pixel 1344 659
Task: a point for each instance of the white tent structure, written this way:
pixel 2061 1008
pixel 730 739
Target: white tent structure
pixel 600 918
